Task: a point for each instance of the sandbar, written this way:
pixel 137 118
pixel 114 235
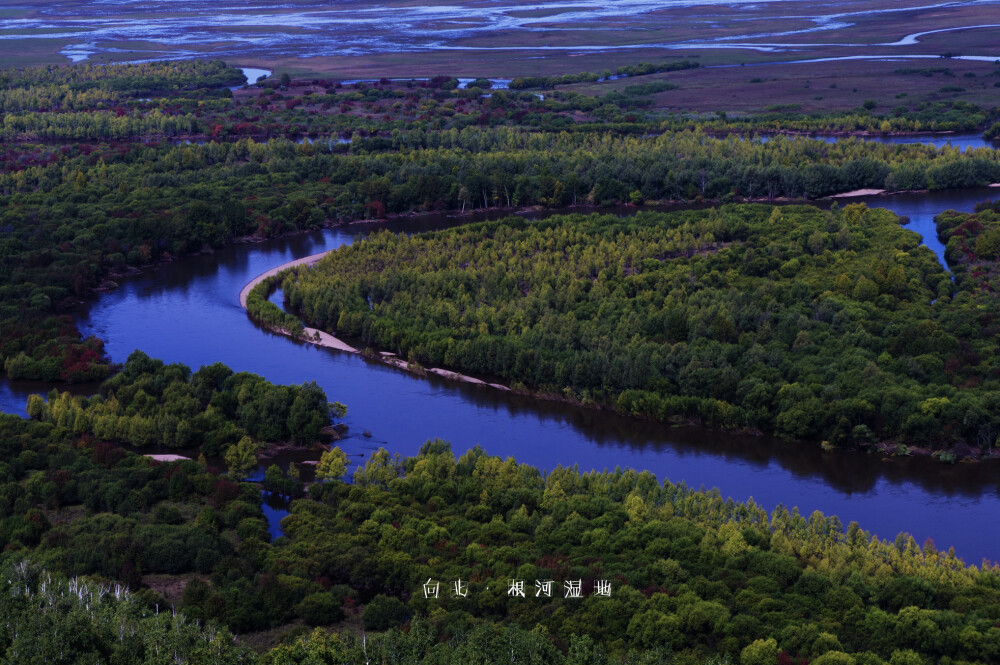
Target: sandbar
pixel 320 338
pixel 168 458
pixel 857 192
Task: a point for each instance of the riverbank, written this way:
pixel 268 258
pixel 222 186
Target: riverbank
pixel 325 339
pixel 490 214
pixel 858 192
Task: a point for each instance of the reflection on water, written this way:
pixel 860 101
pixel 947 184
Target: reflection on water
pixel 963 142
pixel 254 74
pixel 14 394
pixel 188 312
pixel 922 207
pixel 276 508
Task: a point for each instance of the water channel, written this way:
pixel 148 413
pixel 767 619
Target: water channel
pixel 188 312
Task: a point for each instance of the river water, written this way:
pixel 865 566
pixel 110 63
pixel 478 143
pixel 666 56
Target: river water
pixel 188 312
pixel 962 141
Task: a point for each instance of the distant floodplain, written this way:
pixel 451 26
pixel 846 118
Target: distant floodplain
pixel 507 32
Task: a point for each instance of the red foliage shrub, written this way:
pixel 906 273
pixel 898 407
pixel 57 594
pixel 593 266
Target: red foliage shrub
pixel 107 454
pixel 223 492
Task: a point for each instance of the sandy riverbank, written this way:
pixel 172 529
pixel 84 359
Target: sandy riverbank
pixel 857 192
pixel 311 335
pixel 305 261
pixel 320 338
pixel 168 458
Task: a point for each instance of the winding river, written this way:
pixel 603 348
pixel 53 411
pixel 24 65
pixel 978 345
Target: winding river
pixel 189 312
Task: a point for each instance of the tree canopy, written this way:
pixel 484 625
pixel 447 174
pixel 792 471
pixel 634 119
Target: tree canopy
pixel 833 325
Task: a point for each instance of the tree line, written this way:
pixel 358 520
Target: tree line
pixel 148 403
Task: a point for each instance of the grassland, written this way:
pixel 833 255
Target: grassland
pixel 813 87
pixel 27 52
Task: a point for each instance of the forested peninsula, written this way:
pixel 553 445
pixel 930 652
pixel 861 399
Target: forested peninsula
pixel 833 325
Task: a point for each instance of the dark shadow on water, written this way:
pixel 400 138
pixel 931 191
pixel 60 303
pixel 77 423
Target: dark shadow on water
pixel 276 507
pixel 14 394
pixel 847 471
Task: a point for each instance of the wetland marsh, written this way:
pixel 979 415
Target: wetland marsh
pixel 496 37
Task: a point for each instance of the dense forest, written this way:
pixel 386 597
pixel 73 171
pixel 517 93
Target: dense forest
pixel 972 246
pixel 691 578
pixel 148 403
pixel 833 325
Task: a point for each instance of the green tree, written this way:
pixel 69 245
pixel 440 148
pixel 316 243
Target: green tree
pixel 308 413
pixel 320 608
pixel 988 245
pixel 36 407
pixel 760 652
pixel 835 658
pixel 332 464
pixel 906 657
pixel 241 458
pixel 383 612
